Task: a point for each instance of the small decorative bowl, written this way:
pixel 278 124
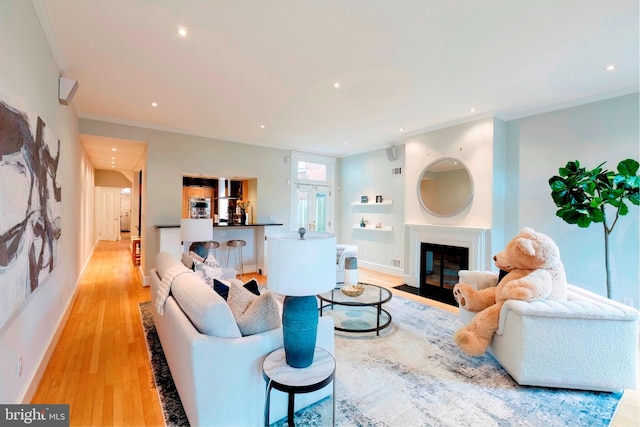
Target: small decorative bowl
pixel 352 290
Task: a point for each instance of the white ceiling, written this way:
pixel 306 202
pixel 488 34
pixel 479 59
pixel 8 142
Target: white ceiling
pixel 411 64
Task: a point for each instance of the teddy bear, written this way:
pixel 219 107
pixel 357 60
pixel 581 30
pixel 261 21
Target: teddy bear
pixel 534 272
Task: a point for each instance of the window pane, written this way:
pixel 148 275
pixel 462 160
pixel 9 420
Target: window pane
pixel 321 211
pixel 312 171
pixel 303 209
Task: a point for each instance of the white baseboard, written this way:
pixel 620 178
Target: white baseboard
pixel 381 268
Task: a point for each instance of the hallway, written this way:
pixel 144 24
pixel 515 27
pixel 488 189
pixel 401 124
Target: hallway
pixel 100 365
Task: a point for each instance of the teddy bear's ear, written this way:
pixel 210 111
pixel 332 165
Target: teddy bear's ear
pixel 526 246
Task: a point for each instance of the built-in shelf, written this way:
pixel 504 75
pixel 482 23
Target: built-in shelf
pixel 384 202
pixel 371 228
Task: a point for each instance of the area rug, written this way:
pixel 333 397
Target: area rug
pixel 172 409
pixel 413 374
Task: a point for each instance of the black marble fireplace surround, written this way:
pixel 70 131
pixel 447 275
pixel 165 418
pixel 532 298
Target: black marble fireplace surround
pixel 439 266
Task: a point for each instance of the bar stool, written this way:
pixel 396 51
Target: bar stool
pixel 204 248
pixel 211 248
pixel 236 246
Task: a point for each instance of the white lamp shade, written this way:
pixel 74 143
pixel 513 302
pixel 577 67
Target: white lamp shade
pixel 301 267
pixel 196 230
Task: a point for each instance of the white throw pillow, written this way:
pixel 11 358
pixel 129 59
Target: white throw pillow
pixel 211 261
pixel 207 273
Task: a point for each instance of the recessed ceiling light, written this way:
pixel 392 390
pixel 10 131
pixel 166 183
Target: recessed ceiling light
pixel 261 126
pixel 401 129
pixel 113 158
pixel 336 85
pixel 154 104
pixel 182 32
pixel 610 67
pixel 344 142
pixel 473 110
pixel 113 149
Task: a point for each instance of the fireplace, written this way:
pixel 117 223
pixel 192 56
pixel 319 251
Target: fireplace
pixel 439 267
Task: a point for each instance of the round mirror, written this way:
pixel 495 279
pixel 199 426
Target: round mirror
pixel 445 187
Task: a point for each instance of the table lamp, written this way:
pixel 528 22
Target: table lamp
pixel 195 230
pixel 300 266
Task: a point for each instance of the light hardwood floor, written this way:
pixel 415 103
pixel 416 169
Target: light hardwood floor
pixel 100 365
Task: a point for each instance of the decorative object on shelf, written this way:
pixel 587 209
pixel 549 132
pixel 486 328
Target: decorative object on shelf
pixel 195 230
pixel 583 195
pixel 300 266
pixel 378 199
pixel 352 290
pixel 378 225
pixel 363 222
pixel 364 199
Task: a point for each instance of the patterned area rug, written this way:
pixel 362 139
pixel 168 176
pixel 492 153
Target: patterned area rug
pixel 172 410
pixel 413 374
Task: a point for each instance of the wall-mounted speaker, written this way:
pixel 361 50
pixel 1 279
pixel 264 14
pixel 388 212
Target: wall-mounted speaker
pixel 66 89
pixel 392 153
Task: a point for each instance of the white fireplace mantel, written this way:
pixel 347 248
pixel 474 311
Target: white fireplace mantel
pixel 477 240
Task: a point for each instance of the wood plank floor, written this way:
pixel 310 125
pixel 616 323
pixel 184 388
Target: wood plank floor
pixel 100 365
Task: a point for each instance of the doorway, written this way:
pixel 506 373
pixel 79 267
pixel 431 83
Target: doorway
pixel 107 213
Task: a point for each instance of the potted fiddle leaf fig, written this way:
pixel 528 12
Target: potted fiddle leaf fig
pixel 587 196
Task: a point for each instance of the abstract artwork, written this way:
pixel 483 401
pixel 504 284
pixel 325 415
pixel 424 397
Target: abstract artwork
pixel 30 206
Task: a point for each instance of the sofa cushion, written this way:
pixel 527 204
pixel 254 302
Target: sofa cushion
pixel 207 310
pixel 253 313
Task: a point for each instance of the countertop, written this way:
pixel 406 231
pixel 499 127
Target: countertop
pixel 222 225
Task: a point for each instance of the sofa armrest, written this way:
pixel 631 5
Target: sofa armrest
pixel 478 280
pixel 348 251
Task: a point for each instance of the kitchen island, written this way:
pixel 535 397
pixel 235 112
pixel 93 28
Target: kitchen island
pixel 168 238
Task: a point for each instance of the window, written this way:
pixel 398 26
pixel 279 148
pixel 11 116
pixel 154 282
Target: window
pixel 312 182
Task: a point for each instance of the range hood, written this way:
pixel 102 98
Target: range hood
pixel 224 189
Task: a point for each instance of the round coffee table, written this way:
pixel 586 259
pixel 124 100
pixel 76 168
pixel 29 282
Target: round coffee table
pixel 363 313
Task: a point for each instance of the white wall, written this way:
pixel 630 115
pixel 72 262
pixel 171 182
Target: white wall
pixel 28 73
pixel 171 155
pixel 480 146
pixel 369 174
pixel 592 133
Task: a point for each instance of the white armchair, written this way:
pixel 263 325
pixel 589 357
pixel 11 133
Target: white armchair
pixel 342 253
pixel 587 342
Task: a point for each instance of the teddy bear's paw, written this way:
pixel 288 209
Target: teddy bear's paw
pixel 470 343
pixel 463 294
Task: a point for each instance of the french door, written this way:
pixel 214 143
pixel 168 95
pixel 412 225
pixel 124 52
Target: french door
pixel 314 208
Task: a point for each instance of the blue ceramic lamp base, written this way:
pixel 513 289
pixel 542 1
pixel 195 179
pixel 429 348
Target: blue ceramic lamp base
pixel 300 328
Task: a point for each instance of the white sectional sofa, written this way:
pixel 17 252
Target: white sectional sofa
pixel 587 342
pixel 218 373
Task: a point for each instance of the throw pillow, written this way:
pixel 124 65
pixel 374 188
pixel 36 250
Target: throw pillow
pixel 252 286
pixel 222 287
pixel 207 273
pixel 195 256
pixel 187 260
pixel 211 261
pixel 254 314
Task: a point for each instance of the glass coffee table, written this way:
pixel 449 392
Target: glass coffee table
pixel 363 313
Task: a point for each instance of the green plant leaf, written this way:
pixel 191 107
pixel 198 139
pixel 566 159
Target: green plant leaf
pixel 628 167
pixel 624 209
